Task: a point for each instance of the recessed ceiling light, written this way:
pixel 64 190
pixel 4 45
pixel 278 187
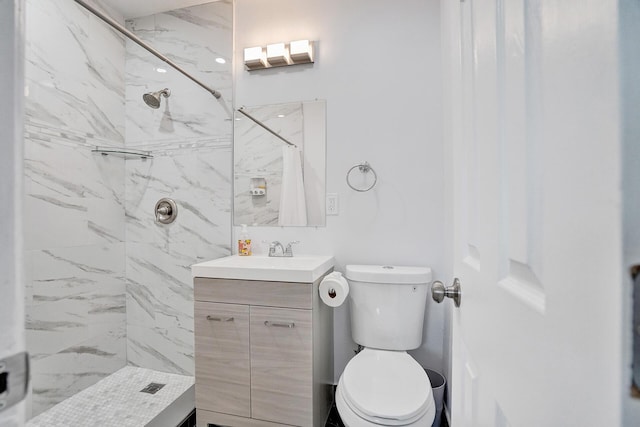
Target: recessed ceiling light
pixel 221 61
pixel 161 70
pixel 281 115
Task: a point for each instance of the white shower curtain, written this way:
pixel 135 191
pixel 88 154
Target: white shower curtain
pixel 293 205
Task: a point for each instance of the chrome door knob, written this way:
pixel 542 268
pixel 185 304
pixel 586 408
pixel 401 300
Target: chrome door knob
pixel 439 291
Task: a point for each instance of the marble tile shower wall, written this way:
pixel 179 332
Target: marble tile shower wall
pixel 98 266
pixel 193 37
pixel 190 137
pixel 74 200
pixel 74 72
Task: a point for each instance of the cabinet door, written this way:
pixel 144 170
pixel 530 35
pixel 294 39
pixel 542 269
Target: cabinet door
pixel 281 365
pixel 222 358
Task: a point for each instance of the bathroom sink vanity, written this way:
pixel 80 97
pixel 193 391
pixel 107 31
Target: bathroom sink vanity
pixel 263 342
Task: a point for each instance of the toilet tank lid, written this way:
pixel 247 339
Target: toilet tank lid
pixel 388 274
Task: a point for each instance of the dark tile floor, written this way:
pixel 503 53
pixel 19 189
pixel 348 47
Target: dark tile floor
pixel 335 421
pixel 190 421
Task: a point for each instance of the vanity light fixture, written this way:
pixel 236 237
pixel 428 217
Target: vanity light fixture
pixel 279 55
pixel 254 58
pixel 301 51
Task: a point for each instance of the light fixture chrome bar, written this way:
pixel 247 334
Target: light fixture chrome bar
pixel 110 21
pixel 265 127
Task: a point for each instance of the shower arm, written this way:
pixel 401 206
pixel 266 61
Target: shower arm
pixel 265 127
pixel 137 40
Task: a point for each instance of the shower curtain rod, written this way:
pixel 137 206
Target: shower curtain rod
pixel 135 38
pixel 267 128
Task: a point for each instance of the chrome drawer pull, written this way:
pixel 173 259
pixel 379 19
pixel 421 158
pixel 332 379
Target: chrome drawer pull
pixel 220 319
pixel 279 325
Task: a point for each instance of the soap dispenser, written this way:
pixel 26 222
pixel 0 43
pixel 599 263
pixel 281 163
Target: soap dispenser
pixel 244 242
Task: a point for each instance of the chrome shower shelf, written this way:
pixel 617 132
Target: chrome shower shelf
pixel 123 152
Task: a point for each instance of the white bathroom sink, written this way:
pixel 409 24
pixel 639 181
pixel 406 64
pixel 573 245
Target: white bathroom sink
pixel 300 268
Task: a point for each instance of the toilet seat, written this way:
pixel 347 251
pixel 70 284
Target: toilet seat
pixel 386 387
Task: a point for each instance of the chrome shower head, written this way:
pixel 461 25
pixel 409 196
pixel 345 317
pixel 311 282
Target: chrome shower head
pixel 152 99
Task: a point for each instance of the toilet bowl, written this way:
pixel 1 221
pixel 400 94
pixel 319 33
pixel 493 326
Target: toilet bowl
pixel 382 387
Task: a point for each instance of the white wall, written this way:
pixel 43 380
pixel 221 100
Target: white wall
pixel 378 66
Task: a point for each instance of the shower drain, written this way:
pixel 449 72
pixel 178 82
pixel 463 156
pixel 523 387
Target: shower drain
pixel 152 388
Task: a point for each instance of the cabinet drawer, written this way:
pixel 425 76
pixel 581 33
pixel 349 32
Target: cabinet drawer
pixel 281 365
pixel 222 358
pixel 273 294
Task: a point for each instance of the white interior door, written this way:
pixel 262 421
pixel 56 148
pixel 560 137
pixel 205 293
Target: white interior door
pixel 536 163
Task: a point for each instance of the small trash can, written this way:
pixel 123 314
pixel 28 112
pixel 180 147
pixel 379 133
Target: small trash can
pixel 438 383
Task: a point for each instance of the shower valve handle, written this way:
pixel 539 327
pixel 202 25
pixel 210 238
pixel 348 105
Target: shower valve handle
pixel 166 211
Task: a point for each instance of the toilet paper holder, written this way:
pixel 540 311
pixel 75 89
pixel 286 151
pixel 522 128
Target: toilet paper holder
pixel 333 289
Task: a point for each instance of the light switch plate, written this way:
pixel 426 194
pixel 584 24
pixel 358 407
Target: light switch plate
pixel 332 203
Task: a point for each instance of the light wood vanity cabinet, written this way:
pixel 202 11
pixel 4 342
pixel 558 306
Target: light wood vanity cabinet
pixel 222 357
pixel 264 353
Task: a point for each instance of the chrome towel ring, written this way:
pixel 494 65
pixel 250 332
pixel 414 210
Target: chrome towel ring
pixel 363 167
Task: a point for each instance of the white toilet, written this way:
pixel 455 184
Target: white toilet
pixel 383 384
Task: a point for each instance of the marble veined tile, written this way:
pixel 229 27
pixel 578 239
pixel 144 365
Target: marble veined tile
pixel 159 257
pixel 74 261
pixel 105 282
pixel 154 348
pixel 90 262
pixel 193 38
pixel 105 85
pixel 53 168
pixel 63 374
pixel 63 322
pixel 198 182
pixel 74 69
pixel 69 214
pixel 160 304
pixel 73 197
pixel 105 7
pixel 75 294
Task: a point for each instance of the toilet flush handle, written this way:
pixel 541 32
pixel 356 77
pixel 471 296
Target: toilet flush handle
pixel 439 291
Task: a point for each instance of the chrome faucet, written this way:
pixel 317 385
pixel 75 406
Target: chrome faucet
pixel 272 249
pixel 284 252
pixel 289 250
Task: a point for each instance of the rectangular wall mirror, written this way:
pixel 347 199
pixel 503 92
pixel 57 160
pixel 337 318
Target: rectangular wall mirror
pixel 279 164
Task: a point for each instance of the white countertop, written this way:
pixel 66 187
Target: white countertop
pixel 299 268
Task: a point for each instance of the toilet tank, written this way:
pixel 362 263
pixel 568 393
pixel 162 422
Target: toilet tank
pixel 387 305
